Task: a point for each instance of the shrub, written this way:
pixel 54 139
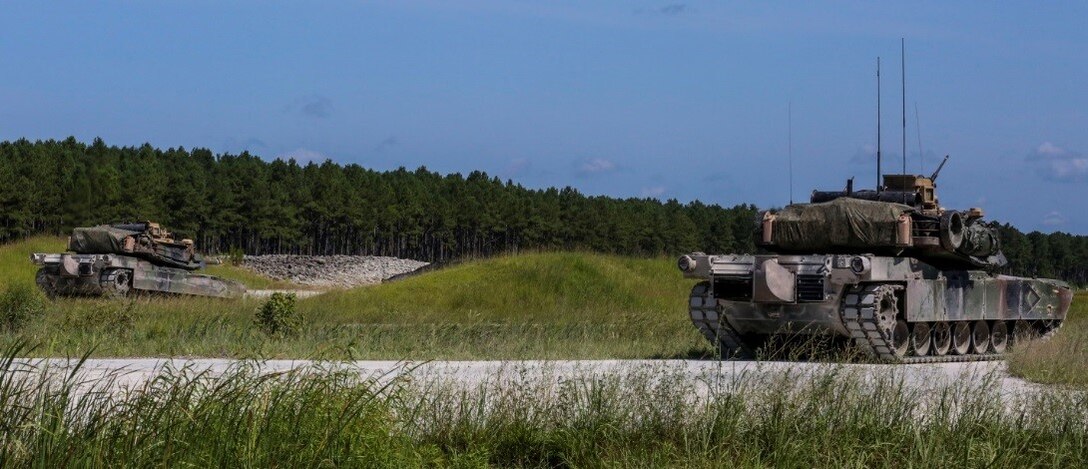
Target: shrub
pixel 18 304
pixel 236 256
pixel 278 316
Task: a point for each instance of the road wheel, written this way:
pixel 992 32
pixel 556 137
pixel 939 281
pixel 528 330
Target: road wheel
pixel 116 283
pixel 901 338
pixel 942 338
pixel 961 338
pixel 980 337
pixel 999 336
pixel 920 339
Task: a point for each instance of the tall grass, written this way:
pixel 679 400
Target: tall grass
pixel 648 417
pixel 1061 359
pixel 59 418
pixel 831 418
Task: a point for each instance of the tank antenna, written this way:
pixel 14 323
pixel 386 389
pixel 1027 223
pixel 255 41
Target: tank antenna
pixel 918 128
pixel 789 151
pixel 878 172
pixel 903 78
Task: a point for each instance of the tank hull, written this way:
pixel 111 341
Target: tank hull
pixel 117 275
pixel 888 306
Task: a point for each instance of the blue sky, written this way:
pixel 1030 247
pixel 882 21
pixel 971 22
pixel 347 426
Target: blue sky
pixel 684 100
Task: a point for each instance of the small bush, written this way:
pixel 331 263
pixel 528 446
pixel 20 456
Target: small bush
pixel 18 304
pixel 236 256
pixel 278 316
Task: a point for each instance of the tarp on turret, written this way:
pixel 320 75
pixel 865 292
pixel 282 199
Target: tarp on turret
pixel 110 239
pixel 843 223
pixel 99 240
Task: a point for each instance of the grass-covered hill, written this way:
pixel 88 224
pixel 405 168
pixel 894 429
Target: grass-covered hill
pixel 538 305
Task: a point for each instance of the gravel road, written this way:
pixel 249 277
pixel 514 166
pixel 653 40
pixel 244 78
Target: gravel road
pixel 921 377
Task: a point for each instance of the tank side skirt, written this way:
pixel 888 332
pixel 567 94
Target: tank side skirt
pixel 154 278
pixel 971 296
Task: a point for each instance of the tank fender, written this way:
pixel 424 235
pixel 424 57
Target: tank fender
pixel 772 283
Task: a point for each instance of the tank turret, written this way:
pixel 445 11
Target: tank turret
pixel 146 240
pixel 901 217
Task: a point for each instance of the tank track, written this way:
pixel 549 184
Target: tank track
pixel 859 315
pixel 703 309
pixel 46 283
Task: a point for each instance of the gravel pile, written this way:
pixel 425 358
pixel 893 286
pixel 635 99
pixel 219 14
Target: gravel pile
pixel 330 271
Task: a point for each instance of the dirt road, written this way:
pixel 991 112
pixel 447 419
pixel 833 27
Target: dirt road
pixel 922 377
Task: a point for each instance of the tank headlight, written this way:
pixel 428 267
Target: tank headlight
pixel 686 264
pixel 859 265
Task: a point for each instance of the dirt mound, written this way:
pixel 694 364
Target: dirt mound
pixel 330 271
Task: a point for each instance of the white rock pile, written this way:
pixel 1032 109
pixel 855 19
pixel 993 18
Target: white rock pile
pixel 330 271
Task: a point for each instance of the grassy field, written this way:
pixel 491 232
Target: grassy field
pixel 641 418
pixel 1064 358
pixel 544 305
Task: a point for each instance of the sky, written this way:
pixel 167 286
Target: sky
pixel 691 101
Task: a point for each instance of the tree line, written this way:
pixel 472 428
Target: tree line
pixel 230 202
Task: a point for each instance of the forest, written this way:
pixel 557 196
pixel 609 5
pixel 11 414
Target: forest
pixel 228 202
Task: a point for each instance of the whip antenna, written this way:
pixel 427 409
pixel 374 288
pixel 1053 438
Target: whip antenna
pixel 789 119
pixel 878 172
pixel 918 127
pixel 903 68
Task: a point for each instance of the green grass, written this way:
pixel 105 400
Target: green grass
pixel 1062 359
pixel 643 417
pixel 15 266
pixel 543 305
pixel 251 279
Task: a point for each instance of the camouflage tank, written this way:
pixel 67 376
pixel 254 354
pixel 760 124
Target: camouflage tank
pixel 118 260
pixel 888 270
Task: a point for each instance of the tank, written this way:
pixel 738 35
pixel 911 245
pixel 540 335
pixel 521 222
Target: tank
pixel 888 270
pixel 121 259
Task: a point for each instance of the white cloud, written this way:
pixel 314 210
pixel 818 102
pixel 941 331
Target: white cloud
pixel 597 165
pixel 1054 219
pixel 303 156
pixel 1059 164
pixel 1047 148
pixel 653 191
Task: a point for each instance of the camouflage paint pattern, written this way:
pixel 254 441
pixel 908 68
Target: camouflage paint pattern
pixel 767 294
pixel 70 274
